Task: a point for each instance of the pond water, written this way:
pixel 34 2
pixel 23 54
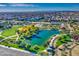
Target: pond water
pixel 42 36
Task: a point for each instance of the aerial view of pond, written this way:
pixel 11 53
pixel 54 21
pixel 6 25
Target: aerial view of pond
pixel 42 36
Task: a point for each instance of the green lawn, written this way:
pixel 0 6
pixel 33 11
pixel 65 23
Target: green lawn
pixel 11 31
pixel 1 37
pixel 62 39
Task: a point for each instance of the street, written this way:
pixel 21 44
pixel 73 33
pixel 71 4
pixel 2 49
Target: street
pixel 12 52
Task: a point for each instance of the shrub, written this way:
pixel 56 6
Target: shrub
pixel 36 47
pixel 28 46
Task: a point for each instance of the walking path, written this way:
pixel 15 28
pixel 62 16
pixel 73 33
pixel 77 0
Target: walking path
pixel 7 38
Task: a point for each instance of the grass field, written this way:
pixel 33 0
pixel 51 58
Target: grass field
pixel 62 39
pixel 11 31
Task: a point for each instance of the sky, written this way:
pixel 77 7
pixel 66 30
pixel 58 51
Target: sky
pixel 30 7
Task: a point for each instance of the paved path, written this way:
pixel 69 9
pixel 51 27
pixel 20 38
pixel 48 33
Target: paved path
pixel 7 38
pixel 4 51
